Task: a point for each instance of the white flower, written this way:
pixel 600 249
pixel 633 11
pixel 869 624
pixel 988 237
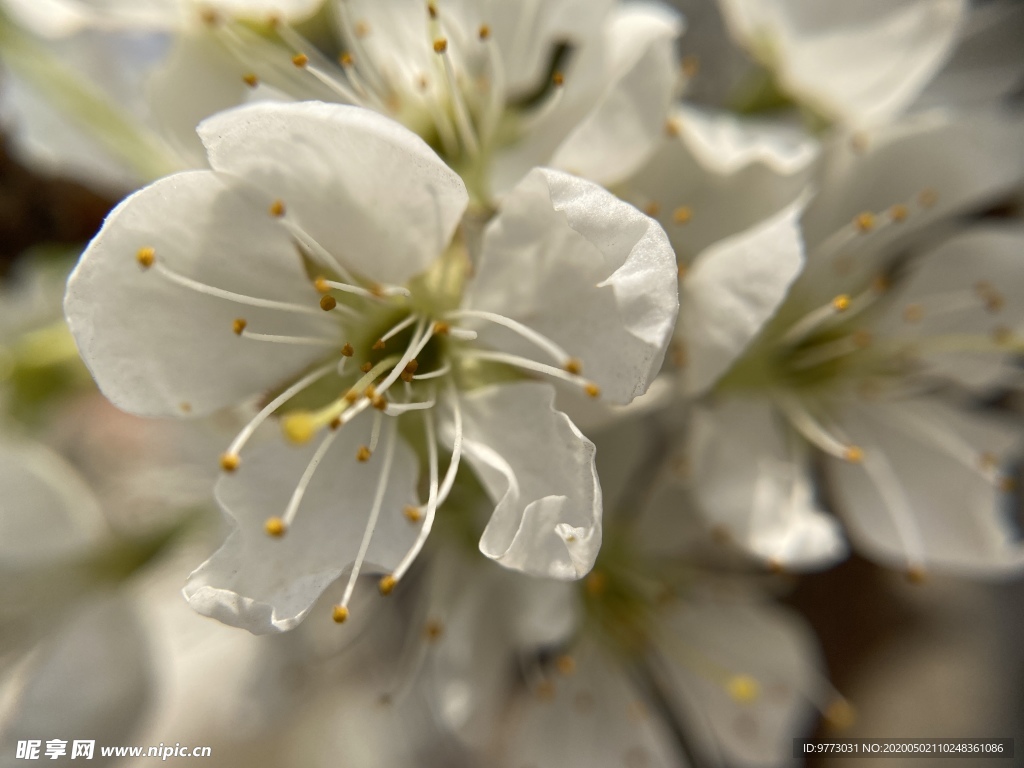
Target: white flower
pixel 203 290
pixel 870 363
pixel 59 18
pixel 860 63
pixel 726 191
pixel 496 88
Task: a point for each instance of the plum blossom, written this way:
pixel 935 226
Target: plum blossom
pixel 318 268
pixel 869 366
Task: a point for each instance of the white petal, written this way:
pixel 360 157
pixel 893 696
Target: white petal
pixel 986 65
pixel 622 129
pixel 573 262
pixel 47 512
pixel 732 289
pixel 943 286
pixel 539 470
pixel 965 160
pixel 924 496
pixel 91 680
pixel 159 349
pixel 267 585
pixel 727 173
pixel 596 717
pixel 175 102
pixel 368 190
pixel 708 642
pixel 860 62
pixel 749 482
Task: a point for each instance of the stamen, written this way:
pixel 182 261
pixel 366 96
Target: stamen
pixel 249 429
pixel 442 371
pixel 432 496
pixel 495 105
pixel 682 214
pixel 453 464
pixel 817 318
pixel 377 293
pixel 814 432
pixel 251 80
pixel 558 354
pixel 371 522
pixel 396 329
pixel 548 107
pixel 307 476
pixel 147 258
pixel 325 257
pixel 589 387
pixel 378 417
pixel 462 120
pixel 302 341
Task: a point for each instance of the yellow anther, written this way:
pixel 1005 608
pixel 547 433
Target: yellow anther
pixel 334 423
pixel 928 198
pixel 865 222
pixel 775 566
pixel 916 574
pixel 273 20
pixel 840 714
pixel 681 271
pixel 565 664
pixel 186 407
pixel 484 32
pixel 861 338
pixel 229 461
pixel 652 209
pixel 432 10
pixel 1002 335
pixel 364 453
pixel 592 390
pixel 362 29
pixel 380 403
pixel 327 303
pixel 351 396
pixel 682 214
pixel 596 583
pixel 348 350
pixel 370 392
pixel 558 79
pixel 988 460
pixel 880 284
pixel 321 285
pixel 300 60
pixel 410 370
pixel 277 211
pixel 743 688
pixel 251 80
pixel 853 454
pixel 386 585
pixel 275 527
pixel 378 344
pixel 574 366
pixel 366 367
pixel 346 59
pixel 691 65
pixel 238 325
pixel 440 45
pixel 899 213
pixel 913 313
pixel 209 16
pixel 412 514
pixel 859 142
pixel 433 630
pixel 841 303
pixel 339 614
pixel 299 427
pixel 672 128
pixel 1007 484
pixel 442 328
pixel 545 690
pixel 146 256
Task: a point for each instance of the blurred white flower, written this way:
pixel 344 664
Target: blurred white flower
pixel 871 362
pixel 315 202
pixel 859 64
